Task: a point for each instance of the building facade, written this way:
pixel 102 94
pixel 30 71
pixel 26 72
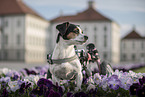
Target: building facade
pixel 102 31
pixel 133 47
pixel 23 33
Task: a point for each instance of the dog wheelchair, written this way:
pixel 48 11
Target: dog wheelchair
pixel 86 57
pixel 92 55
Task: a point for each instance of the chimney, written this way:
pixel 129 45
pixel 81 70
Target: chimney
pixel 91 4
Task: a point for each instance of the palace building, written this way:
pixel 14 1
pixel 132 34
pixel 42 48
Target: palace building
pixel 102 31
pixel 133 47
pixel 24 33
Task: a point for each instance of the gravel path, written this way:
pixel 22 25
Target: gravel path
pixel 18 65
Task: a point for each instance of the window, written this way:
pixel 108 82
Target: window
pixel 133 57
pixel 5 39
pixel 18 23
pixel 105 28
pixel 124 45
pixel 105 40
pixel 6 23
pixel 5 55
pixel 142 55
pixel 95 34
pixel 133 44
pixel 95 29
pixel 142 45
pixel 105 55
pixel 124 57
pixel 18 39
pixel 18 55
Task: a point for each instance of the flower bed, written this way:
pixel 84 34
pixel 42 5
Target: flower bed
pixel 33 83
pixel 127 67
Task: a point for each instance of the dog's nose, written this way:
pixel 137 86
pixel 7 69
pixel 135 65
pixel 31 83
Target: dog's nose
pixel 86 37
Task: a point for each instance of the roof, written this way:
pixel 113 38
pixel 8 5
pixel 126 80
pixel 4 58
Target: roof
pixel 133 35
pixel 10 7
pixel 89 14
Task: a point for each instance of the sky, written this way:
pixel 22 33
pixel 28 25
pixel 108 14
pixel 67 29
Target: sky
pixel 126 13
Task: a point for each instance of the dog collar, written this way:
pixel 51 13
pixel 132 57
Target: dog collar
pixel 59 61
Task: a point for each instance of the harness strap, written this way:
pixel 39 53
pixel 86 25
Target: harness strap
pixel 59 61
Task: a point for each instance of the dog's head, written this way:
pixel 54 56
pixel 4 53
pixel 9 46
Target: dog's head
pixel 72 34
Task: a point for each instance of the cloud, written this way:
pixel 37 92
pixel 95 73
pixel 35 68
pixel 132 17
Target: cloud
pixel 125 12
pixel 122 5
pixel 139 9
pixel 119 5
pixel 57 3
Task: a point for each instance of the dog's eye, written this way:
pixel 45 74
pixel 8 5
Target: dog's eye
pixel 82 32
pixel 76 31
pixel 71 35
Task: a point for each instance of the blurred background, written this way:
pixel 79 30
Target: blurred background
pixel 28 33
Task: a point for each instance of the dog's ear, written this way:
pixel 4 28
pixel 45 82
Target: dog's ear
pixel 58 37
pixel 62 28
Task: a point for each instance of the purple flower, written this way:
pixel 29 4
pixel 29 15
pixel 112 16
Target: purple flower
pixel 32 72
pixel 44 87
pixel 4 93
pixel 69 94
pixel 140 92
pixel 32 94
pixel 133 88
pixel 93 92
pixel 126 82
pixel 84 81
pixel 41 70
pixel 80 94
pixel 14 75
pixel 20 82
pixel 5 80
pixel 45 82
pixel 97 78
pixel 23 71
pixel 104 83
pixel 142 81
pixel 24 86
pixel 53 94
pixel 114 82
pixel 37 91
pixel 60 90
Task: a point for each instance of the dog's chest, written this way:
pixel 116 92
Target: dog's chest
pixel 62 51
pixel 65 70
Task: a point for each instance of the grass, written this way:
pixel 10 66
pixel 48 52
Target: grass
pixel 141 70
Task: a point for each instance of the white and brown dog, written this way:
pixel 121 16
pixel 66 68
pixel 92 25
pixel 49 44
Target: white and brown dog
pixel 65 63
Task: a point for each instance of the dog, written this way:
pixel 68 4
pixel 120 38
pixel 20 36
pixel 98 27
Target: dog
pixel 65 63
